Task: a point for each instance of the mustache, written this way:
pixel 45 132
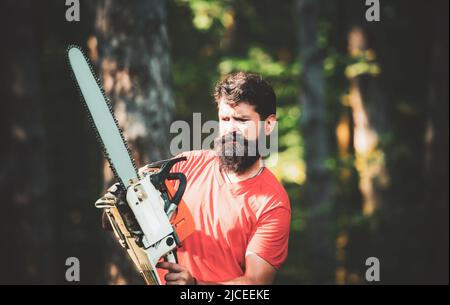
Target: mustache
pixel 233 136
pixel 234 143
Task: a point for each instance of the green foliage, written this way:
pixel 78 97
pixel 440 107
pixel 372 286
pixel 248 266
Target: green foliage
pixel 207 12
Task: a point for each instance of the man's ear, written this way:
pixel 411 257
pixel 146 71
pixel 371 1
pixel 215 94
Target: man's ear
pixel 269 124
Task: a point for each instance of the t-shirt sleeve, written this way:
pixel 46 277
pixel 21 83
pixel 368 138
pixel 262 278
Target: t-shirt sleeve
pixel 193 157
pixel 181 165
pixel 176 168
pixel 271 235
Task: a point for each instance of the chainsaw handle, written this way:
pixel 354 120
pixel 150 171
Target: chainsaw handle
pixel 181 188
pixel 158 179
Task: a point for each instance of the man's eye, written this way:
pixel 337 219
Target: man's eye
pixel 225 119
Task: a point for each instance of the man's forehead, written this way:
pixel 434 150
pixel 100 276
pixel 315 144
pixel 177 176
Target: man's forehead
pixel 241 108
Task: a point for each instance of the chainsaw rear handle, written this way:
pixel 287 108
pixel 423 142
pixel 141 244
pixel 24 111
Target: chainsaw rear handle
pixel 181 188
pixel 158 179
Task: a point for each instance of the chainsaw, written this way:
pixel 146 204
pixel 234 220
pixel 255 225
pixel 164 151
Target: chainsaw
pixel 147 215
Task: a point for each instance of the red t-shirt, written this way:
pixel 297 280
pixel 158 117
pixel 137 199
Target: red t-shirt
pixel 231 219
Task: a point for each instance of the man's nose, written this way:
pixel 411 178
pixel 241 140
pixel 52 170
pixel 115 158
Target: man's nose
pixel 232 126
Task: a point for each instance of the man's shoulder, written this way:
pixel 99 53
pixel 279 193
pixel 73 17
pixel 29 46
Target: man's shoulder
pixel 208 153
pixel 195 158
pixel 272 182
pixel 274 190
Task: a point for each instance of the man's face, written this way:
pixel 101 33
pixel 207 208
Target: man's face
pixel 237 143
pixel 241 118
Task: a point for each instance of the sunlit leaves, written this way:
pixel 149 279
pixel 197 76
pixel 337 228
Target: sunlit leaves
pixel 288 164
pixel 259 61
pixel 206 12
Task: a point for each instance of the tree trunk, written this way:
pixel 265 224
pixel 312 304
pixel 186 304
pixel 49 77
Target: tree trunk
pixel 314 129
pixel 27 235
pixel 134 63
pixel 367 102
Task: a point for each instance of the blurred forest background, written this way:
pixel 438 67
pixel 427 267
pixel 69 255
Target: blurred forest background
pixel 363 124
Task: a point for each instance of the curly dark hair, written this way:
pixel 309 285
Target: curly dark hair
pixel 248 88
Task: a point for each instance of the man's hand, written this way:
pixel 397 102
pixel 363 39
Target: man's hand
pixel 177 275
pixel 110 199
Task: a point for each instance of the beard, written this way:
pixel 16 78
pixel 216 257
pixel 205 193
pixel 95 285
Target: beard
pixel 236 153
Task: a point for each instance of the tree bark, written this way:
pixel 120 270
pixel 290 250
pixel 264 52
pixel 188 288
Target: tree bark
pixel 134 63
pixel 367 101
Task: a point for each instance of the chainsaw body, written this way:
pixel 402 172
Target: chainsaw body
pixel 154 220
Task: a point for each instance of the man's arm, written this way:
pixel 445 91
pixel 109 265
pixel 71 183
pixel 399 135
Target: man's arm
pixel 257 272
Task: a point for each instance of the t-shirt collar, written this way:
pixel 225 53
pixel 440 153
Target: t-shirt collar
pixel 221 179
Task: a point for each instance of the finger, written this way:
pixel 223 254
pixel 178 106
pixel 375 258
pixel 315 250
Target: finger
pixel 172 267
pixel 113 188
pixel 109 196
pixel 171 277
pixel 179 282
pixel 106 224
pixel 104 202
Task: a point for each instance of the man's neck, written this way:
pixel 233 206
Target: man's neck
pixel 254 170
